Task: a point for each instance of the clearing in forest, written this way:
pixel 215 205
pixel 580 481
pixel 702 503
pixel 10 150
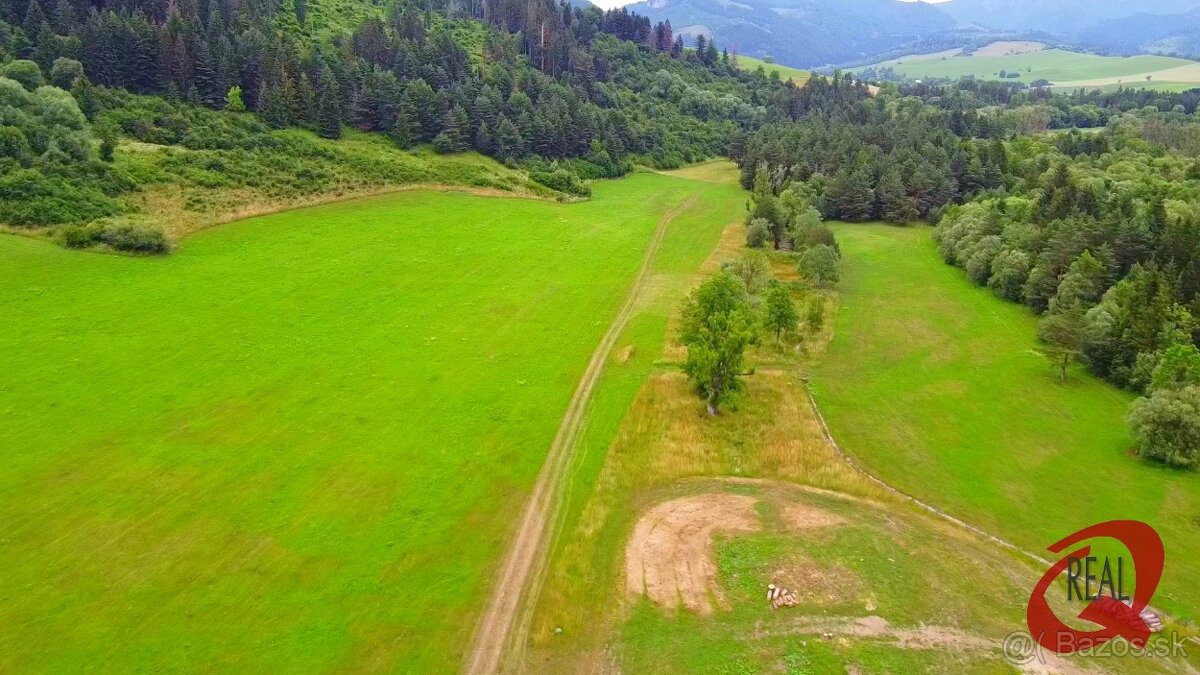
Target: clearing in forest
pixel 797 76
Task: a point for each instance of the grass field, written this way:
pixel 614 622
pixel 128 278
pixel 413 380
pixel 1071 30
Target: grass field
pixel 936 386
pixel 298 442
pixel 1062 68
pixel 785 72
pixel 882 586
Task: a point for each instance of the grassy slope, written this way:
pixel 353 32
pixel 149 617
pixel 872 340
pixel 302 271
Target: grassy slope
pixel 795 74
pixel 1055 65
pixel 298 442
pixel 194 189
pixel 935 384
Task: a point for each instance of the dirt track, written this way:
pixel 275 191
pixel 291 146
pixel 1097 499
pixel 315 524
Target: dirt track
pixel 505 620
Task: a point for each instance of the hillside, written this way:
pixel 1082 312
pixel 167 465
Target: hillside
pixel 801 33
pixel 128 144
pixel 1177 34
pixel 1059 16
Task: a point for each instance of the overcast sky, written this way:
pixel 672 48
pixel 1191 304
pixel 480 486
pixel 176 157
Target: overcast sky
pixel 609 4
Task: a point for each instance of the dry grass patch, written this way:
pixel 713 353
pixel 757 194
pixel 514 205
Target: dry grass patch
pixel 667 436
pixel 1008 47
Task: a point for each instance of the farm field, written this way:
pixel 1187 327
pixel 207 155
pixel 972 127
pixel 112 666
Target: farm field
pixel 796 75
pixel 1062 68
pixel 299 442
pixel 936 386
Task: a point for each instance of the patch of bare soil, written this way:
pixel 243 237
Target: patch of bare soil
pixel 669 558
pixel 804 517
pixel 820 584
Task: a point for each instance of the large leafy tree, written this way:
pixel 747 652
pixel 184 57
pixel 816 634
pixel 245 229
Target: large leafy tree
pixel 718 325
pixel 1064 335
pixel 1167 425
pixel 781 316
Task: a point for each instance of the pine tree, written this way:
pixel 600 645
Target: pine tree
pixel 849 195
pixel 891 202
pixel 35 18
pixel 450 139
pixel 509 144
pixel 272 107
pixel 64 17
pixel 406 132
pixel 329 113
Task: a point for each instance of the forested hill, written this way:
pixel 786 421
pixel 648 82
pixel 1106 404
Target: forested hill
pixel 157 89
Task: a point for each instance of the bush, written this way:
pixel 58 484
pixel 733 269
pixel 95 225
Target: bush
pixel 29 198
pixel 78 236
pixel 821 265
pixel 25 72
pixel 134 239
pixel 65 73
pixel 1167 425
pixel 562 181
pixel 758 233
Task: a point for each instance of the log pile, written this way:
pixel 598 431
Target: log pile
pixel 781 597
pixel 1153 622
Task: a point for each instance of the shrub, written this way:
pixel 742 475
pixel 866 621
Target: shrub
pixel 820 264
pixel 134 239
pixel 78 236
pixel 26 72
pixel 65 73
pixel 758 233
pixel 562 181
pixel 1167 425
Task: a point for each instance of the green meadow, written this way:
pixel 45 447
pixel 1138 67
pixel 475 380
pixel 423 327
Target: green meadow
pixel 1058 66
pixel 937 386
pixel 300 441
pixel 752 64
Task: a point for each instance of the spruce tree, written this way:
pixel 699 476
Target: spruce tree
pixel 406 132
pixel 891 202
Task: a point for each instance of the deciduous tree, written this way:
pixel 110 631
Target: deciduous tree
pixel 718 325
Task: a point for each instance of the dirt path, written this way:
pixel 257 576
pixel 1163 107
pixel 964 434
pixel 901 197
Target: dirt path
pixel 505 621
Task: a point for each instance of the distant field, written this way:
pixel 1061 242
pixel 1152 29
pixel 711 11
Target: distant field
pixel 1062 68
pixel 936 385
pixel 785 72
pixel 298 443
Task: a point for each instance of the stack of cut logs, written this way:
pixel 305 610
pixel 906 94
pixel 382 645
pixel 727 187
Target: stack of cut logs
pixel 1153 622
pixel 781 597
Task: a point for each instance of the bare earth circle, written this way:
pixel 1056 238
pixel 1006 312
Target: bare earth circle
pixel 669 558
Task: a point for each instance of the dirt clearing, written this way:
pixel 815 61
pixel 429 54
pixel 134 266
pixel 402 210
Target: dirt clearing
pixel 669 558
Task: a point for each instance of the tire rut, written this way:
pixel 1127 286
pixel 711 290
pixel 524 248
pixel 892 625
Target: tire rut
pixel 505 621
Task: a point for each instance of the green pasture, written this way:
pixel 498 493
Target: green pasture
pixel 300 442
pixel 1056 65
pixel 937 386
pixel 785 72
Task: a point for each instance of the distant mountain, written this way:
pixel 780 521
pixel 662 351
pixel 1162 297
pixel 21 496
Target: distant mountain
pixel 1065 17
pixel 815 33
pixel 802 33
pixel 1177 34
